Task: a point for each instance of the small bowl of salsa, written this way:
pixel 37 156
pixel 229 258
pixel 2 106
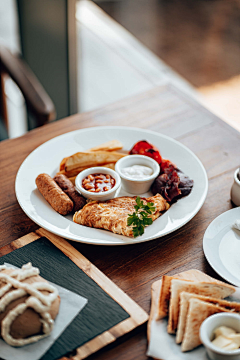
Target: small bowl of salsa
pixel 98 183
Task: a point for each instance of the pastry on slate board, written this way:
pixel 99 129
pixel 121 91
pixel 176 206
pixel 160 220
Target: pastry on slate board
pixel 28 305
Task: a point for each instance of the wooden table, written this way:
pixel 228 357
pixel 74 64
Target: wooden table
pixel 135 267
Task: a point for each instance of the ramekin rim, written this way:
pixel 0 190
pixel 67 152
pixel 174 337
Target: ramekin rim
pixel 206 341
pixel 98 168
pixel 147 158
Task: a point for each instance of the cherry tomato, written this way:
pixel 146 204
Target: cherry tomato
pixel 143 147
pixel 140 147
pixel 154 154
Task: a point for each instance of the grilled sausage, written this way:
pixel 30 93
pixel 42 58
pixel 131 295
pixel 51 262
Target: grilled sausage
pixel 54 194
pixel 66 185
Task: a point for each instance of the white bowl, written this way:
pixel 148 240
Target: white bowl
pixel 103 196
pixel 137 186
pixel 206 335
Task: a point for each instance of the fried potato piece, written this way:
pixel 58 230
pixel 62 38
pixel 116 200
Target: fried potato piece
pixel 111 145
pixel 109 166
pixel 72 179
pixel 62 164
pixel 75 172
pixel 89 159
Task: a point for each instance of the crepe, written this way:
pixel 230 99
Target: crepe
pixel 203 288
pixel 112 215
pixel 184 306
pixel 198 311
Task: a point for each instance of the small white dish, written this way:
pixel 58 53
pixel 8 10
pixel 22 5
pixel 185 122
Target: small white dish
pixel 221 246
pixel 102 196
pixel 235 190
pixel 206 335
pixel 137 186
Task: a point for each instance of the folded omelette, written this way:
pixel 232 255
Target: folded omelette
pixel 112 215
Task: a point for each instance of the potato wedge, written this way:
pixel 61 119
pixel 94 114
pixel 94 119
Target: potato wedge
pixel 72 179
pixel 89 159
pixel 75 172
pixel 109 166
pixel 111 145
pixel 62 164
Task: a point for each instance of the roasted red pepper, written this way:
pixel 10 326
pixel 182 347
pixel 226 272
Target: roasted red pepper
pixel 145 148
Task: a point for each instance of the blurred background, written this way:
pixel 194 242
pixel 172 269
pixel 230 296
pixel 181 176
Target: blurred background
pixel 87 54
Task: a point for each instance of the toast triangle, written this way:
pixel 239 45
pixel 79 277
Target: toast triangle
pixel 216 290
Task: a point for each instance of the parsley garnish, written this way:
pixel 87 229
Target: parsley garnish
pixel 140 217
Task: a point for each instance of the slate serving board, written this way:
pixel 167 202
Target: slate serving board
pixel 109 313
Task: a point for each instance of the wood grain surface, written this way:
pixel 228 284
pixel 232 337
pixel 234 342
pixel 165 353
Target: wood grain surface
pixel 134 268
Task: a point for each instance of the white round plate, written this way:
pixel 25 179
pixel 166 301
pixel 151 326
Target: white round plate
pixel 47 157
pixel 221 246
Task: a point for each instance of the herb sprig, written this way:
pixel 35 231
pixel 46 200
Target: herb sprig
pixel 140 218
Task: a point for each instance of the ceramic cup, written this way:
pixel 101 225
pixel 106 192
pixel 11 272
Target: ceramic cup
pixel 235 190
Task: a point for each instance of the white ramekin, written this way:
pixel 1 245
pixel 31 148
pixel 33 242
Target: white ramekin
pixel 103 196
pixel 207 333
pixel 137 186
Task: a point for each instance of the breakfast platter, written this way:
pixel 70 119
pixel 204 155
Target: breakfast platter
pixel 47 158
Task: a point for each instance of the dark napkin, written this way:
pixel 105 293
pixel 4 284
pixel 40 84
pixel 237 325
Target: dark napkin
pixel 99 315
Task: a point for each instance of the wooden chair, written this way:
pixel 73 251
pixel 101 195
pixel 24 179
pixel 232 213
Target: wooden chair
pixel 37 100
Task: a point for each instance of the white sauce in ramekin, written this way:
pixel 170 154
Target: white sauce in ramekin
pixel 137 172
